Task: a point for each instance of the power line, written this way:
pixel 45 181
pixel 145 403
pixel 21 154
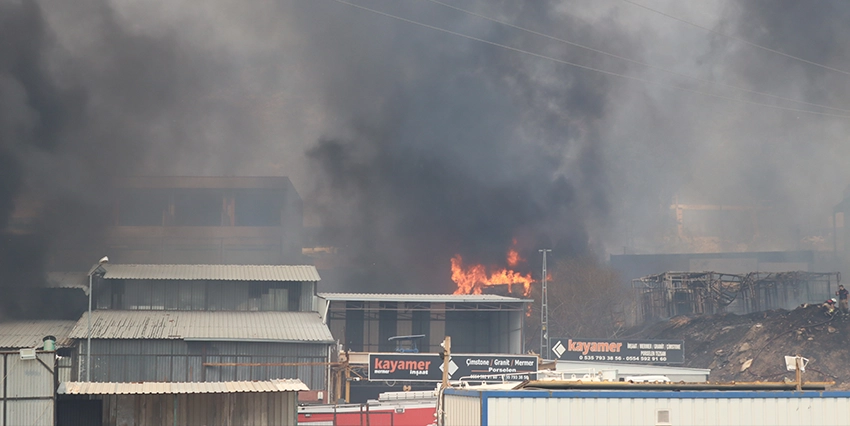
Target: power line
pixel 737 38
pixel 610 73
pixel 703 80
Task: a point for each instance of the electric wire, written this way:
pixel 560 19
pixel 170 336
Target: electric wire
pixel 758 46
pixel 634 61
pixel 573 64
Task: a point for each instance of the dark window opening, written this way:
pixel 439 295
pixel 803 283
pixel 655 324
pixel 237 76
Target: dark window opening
pixel 422 325
pixel 142 207
pixel 258 207
pixel 354 327
pixel 198 208
pixel 387 326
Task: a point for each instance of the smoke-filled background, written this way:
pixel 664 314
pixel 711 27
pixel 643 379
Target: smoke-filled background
pixel 409 144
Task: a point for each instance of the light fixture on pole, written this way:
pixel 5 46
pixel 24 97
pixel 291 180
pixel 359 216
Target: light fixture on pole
pixel 96 269
pixel 544 309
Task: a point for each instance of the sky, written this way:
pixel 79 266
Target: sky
pixel 416 130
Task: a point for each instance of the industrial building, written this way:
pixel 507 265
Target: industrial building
pixel 197 220
pixel 29 374
pixel 683 293
pixel 364 323
pixel 587 407
pixel 631 266
pixel 204 323
pixel 477 323
pixel 27 388
pixel 254 403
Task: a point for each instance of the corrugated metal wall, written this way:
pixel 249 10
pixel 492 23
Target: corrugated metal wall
pixel 728 409
pixel 463 411
pixel 27 394
pixel 249 409
pixel 180 361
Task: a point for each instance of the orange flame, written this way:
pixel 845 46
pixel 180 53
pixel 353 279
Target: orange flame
pixel 472 279
pixel 514 258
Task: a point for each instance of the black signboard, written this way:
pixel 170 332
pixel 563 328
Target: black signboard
pixel 428 367
pixel 630 351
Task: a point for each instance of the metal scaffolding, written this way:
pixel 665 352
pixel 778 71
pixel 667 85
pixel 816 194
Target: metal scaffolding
pixel 681 293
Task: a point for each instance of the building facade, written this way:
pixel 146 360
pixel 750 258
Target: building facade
pixel 478 323
pixel 204 323
pixel 196 220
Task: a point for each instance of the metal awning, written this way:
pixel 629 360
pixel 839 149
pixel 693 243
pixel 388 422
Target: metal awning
pixel 148 388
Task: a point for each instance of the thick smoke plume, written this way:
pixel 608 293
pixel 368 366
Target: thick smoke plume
pixel 86 97
pixel 442 145
pixel 411 145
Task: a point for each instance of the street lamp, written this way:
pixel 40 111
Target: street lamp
pixel 96 269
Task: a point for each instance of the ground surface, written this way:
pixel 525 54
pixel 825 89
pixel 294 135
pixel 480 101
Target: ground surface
pixel 726 342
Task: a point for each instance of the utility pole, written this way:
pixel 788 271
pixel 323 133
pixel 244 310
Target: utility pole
pixel 544 310
pixel 447 355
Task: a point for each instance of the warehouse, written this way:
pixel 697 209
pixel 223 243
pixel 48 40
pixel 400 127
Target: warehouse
pixel 259 403
pixel 588 407
pixel 204 323
pixel 477 323
pixel 27 387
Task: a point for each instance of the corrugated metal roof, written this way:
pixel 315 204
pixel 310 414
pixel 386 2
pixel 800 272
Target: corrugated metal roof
pixel 29 334
pixel 433 298
pixel 201 325
pixel 109 388
pixel 67 280
pixel 212 272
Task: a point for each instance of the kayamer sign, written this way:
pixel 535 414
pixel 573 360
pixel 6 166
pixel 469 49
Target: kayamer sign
pixel 632 351
pixel 429 367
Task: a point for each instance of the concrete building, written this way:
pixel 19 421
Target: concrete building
pixel 204 323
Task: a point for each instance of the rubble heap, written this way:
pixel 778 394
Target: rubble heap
pixel 747 348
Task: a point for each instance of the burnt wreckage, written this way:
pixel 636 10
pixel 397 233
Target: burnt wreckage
pixel 680 293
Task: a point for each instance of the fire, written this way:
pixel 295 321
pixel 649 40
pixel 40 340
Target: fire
pixel 514 258
pixel 471 279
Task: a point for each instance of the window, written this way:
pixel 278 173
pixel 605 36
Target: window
pixel 387 326
pixel 258 207
pixel 269 297
pixel 198 208
pixel 142 207
pixel 354 320
pixel 663 418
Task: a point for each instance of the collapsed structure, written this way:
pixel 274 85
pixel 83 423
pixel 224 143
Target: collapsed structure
pixel 680 293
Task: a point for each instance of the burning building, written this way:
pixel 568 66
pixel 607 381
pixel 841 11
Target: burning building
pixel 198 220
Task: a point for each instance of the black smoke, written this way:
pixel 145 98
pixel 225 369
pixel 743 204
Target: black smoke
pixel 449 146
pixel 85 97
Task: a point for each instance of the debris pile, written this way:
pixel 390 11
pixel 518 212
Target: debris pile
pixel 752 347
